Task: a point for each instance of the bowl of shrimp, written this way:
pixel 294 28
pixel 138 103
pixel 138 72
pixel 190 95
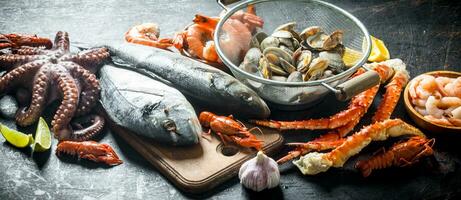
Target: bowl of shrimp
pixel 433 101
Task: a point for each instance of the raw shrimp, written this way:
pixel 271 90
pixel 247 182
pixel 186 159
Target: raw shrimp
pixel 432 109
pixel 419 102
pixel 414 84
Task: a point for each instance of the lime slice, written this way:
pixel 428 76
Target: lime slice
pixel 15 137
pixel 379 51
pixel 42 137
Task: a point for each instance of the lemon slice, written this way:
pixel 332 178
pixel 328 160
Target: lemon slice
pixel 16 138
pixel 42 137
pixel 379 51
pixel 351 56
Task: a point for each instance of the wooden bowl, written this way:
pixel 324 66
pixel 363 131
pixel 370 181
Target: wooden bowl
pixel 419 119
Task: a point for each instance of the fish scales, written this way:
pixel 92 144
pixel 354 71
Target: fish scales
pixel 212 87
pixel 148 107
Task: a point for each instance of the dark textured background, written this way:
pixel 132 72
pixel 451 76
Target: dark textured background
pixel 424 34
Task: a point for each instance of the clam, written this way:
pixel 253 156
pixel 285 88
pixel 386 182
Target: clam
pixel 316 41
pixel 277 70
pixel 335 60
pixel 279 78
pixel 250 68
pixel 333 40
pixel 285 48
pixel 257 39
pixel 290 27
pixel 264 67
pixel 309 31
pixel 269 42
pixel 287 66
pixel 282 34
pixel 253 56
pixel 327 73
pixel 303 60
pixel 295 77
pixel 280 53
pixel 316 69
pixel 287 42
pixel 286 27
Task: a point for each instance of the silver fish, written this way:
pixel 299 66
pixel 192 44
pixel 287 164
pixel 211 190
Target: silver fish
pixel 148 107
pixel 210 86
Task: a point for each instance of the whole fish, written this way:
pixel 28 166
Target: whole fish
pixel 210 86
pixel 148 107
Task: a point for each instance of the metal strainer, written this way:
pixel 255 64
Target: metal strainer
pixel 299 95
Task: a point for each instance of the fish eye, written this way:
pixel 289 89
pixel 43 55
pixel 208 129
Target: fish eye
pixel 246 97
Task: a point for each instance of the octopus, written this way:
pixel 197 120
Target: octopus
pixel 42 76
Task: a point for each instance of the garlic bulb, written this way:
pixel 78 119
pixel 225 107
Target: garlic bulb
pixel 259 173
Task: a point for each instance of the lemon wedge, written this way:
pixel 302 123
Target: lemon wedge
pixel 16 138
pixel 351 56
pixel 379 51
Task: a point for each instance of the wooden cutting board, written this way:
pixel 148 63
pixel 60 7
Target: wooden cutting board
pixel 201 167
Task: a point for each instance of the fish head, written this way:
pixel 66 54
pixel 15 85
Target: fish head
pixel 255 106
pixel 179 126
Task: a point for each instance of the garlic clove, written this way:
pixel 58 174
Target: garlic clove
pixel 259 173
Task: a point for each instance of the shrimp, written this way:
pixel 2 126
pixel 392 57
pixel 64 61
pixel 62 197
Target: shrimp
pixel 419 102
pixel 453 89
pixel 447 102
pixel 426 87
pixel 441 82
pixel 432 107
pixel 421 110
pixel 147 34
pixel 199 39
pixel 456 113
pixel 442 121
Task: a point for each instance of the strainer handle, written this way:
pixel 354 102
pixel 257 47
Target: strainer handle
pixel 354 86
pixel 224 3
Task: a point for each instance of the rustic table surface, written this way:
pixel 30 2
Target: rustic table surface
pixel 424 34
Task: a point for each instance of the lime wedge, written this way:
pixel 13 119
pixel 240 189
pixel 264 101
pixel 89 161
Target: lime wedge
pixel 42 137
pixel 16 138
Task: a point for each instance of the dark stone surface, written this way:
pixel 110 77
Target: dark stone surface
pixel 425 34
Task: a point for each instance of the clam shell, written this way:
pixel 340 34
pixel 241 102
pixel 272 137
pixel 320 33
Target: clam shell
pixel 279 78
pixel 316 69
pixel 287 66
pixel 269 42
pixel 287 42
pixel 304 60
pixel 333 40
pixel 309 31
pixel 285 48
pixel 253 55
pixel 278 52
pixel 257 39
pixel 295 77
pixel 286 27
pixel 335 60
pixel 277 70
pixel 266 71
pixel 282 34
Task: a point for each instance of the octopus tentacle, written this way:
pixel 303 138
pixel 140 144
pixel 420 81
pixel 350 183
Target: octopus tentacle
pixel 61 41
pixel 26 50
pixel 13 77
pixel 91 57
pixel 97 123
pixel 90 87
pixel 27 116
pixel 8 62
pixel 69 91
